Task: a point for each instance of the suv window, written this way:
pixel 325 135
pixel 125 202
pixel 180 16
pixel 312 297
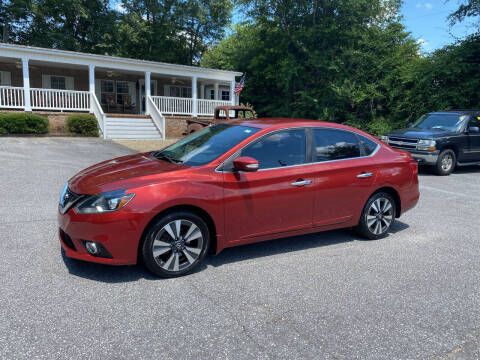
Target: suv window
pixel 369 146
pixel 474 121
pixel 282 148
pixel 332 144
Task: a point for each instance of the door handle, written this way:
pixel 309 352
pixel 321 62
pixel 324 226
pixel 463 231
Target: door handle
pixel 364 175
pixel 301 182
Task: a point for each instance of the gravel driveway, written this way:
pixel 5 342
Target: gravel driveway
pixel 331 295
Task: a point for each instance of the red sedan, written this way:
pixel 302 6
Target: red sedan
pixel 231 184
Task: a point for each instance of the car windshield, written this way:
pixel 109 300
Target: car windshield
pixel 205 145
pixel 444 122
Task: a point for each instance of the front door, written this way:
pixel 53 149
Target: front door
pixel 343 174
pixel 276 198
pixel 153 84
pixel 473 139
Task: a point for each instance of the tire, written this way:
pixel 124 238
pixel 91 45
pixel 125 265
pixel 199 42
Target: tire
pixel 168 255
pixel 446 163
pixel 375 224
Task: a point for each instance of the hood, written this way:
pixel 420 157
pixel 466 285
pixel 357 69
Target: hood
pixel 415 133
pixel 115 173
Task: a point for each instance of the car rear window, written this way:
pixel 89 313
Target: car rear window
pixel 332 144
pixel 369 146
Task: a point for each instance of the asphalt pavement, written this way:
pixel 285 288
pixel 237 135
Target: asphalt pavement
pixel 332 295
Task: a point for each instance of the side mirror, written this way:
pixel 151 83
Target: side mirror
pixel 473 129
pixel 245 163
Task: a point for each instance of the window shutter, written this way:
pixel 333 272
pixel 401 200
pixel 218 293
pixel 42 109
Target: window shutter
pixel 46 83
pixel 5 78
pixel 132 91
pixel 69 83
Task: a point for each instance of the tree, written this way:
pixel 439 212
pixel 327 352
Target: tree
pixel 468 8
pixel 13 18
pixel 78 25
pixel 332 60
pixel 172 30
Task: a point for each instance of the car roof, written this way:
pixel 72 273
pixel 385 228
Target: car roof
pixel 460 112
pixel 280 123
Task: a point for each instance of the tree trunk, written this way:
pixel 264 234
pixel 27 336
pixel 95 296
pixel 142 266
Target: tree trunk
pixel 5 33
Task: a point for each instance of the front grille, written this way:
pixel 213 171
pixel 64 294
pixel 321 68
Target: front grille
pixel 68 199
pixel 67 240
pixel 403 143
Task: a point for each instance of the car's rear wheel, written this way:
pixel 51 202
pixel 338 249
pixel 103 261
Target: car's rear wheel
pixel 378 216
pixel 445 163
pixel 175 244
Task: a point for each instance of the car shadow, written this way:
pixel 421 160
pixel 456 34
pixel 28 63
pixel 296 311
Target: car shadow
pixel 118 274
pixel 293 244
pixel 428 171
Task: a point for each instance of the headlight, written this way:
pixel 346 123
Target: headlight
pixel 384 138
pixel 103 203
pixel 426 145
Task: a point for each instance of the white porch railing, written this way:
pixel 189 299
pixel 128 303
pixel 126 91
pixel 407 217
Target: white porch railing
pixel 12 97
pixel 173 105
pixel 52 99
pixel 156 115
pixel 207 107
pixel 99 114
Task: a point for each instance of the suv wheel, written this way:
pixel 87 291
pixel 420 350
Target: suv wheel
pixel 175 244
pixel 445 163
pixel 377 217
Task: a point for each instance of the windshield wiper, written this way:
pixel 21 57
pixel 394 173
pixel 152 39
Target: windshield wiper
pixel 159 155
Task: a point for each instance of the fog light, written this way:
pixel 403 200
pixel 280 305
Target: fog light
pixel 92 247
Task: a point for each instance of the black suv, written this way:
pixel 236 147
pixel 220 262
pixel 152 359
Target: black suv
pixel 444 139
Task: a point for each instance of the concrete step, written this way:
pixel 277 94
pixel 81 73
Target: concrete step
pixel 132 131
pixel 134 137
pixel 131 126
pixel 128 123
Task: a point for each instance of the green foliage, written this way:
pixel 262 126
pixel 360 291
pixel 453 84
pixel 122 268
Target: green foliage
pixel 467 8
pixel 82 124
pixel 333 60
pixel 23 123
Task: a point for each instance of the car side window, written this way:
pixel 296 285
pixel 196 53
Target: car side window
pixel 282 148
pixel 474 121
pixel 332 144
pixel 368 145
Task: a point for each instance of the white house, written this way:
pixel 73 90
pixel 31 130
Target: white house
pixel 130 98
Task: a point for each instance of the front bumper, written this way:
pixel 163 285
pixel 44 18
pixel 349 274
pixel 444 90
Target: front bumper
pixel 119 233
pixel 429 158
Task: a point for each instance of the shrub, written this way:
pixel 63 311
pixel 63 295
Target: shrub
pixel 83 124
pixel 23 123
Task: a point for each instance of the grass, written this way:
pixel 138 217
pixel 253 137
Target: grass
pixel 146 145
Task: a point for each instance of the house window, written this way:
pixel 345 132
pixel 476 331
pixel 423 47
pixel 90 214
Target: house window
pixel 57 82
pixel 180 91
pixel 122 89
pixel 212 94
pixel 107 91
pixel 225 95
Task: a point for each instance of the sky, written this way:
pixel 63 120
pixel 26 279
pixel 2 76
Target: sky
pixel 427 21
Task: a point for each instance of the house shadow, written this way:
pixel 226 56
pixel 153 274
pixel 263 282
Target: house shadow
pixel 119 274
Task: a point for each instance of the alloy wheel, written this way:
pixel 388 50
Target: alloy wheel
pixel 380 216
pixel 177 245
pixel 447 162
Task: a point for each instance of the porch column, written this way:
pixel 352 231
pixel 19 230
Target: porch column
pixel 194 97
pixel 148 86
pixel 91 84
pixel 202 91
pixel 232 92
pixel 26 84
pixel 215 86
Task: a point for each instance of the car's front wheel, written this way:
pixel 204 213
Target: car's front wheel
pixel 175 244
pixel 445 163
pixel 377 216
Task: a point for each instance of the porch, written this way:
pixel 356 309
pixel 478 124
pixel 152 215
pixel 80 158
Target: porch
pixel 105 85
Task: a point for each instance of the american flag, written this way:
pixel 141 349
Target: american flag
pixel 239 87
